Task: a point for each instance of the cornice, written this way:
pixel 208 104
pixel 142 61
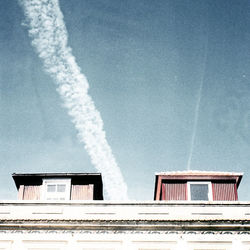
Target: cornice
pixel 96 203
pixel 122 232
pixel 127 225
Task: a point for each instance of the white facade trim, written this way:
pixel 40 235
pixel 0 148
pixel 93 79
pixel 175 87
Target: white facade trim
pixel 105 225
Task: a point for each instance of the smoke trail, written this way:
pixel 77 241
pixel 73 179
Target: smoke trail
pixel 197 109
pixel 49 37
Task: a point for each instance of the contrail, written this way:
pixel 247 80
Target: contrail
pixel 196 117
pixel 197 109
pixel 49 37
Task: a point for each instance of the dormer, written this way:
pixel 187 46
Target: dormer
pixel 59 186
pixel 197 186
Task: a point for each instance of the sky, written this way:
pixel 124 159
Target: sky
pixel 170 78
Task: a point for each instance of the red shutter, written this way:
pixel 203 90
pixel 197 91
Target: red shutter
pixel 174 191
pixel 224 192
pixel 31 193
pixel 82 192
pixel 20 192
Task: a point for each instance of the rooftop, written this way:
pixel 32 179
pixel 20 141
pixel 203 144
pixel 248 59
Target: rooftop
pixel 198 172
pixel 21 178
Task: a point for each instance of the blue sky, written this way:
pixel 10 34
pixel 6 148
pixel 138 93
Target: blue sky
pixel 145 62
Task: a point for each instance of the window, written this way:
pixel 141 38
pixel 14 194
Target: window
pixel 56 189
pixel 199 191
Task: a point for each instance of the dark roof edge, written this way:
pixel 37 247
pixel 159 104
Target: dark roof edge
pixel 53 174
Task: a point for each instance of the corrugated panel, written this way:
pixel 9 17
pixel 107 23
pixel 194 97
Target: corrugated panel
pixel 224 192
pixel 31 193
pixel 174 191
pixel 20 192
pixel 82 192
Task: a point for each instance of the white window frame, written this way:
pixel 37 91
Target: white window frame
pixel 56 196
pixel 210 195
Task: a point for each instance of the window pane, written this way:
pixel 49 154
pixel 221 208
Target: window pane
pixel 61 187
pixel 199 192
pixel 51 188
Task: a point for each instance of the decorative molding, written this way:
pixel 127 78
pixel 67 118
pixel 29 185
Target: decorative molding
pixel 127 226
pixel 110 232
pixel 130 221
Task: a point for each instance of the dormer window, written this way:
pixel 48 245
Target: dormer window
pixel 56 189
pixel 59 186
pixel 199 191
pixel 197 186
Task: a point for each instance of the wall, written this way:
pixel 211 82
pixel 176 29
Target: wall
pixel 130 241
pixel 138 226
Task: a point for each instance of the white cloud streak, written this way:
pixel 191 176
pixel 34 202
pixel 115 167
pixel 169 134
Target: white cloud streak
pixel 50 38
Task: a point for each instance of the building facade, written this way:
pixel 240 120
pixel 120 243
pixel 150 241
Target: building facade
pixel 105 225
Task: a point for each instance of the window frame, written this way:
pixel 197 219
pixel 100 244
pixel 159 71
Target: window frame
pixel 56 196
pixel 210 195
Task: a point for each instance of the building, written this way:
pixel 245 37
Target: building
pixel 163 224
pixel 59 186
pixel 197 185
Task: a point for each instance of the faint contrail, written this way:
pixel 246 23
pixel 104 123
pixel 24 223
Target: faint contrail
pixel 197 109
pixel 196 116
pixel 49 37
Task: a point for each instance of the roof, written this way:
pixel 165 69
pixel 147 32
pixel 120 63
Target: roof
pixel 197 174
pixel 21 178
pixel 54 174
pixel 36 178
pixel 200 173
